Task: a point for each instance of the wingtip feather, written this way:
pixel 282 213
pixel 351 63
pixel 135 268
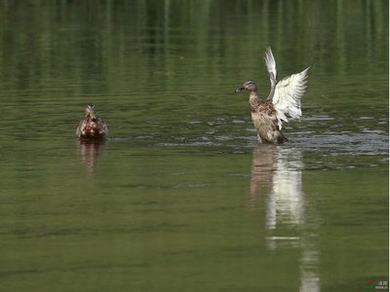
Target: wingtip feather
pixel 270 62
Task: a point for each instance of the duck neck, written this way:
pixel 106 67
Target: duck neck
pixel 89 116
pixel 253 100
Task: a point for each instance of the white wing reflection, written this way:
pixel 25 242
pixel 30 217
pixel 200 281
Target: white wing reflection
pixel 89 153
pixel 276 180
pixel 309 264
pixel 285 202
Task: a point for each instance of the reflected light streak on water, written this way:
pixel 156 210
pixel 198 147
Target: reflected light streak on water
pixel 277 175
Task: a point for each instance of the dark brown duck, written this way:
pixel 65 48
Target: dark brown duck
pixel 91 127
pixel 283 102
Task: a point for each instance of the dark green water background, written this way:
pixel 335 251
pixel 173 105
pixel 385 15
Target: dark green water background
pixel 181 197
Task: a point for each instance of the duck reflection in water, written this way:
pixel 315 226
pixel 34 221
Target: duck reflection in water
pixel 276 181
pixel 90 150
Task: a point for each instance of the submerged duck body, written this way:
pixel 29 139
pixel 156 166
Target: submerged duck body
pixel 91 127
pixel 283 102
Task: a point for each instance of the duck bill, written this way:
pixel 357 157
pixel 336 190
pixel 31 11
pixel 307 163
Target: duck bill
pixel 239 89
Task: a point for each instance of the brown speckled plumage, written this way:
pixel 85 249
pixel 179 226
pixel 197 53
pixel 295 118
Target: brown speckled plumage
pixel 283 102
pixel 91 127
pixel 264 119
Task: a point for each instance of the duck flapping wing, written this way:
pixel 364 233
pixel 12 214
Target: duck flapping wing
pixel 287 96
pixel 270 64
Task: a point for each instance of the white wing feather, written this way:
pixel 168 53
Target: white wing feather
pixel 270 63
pixel 287 97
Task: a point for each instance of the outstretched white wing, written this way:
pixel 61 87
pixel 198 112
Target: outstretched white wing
pixel 287 96
pixel 271 64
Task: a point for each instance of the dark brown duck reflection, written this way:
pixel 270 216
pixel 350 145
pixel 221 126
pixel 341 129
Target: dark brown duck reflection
pixel 90 150
pixel 276 184
pixel 262 171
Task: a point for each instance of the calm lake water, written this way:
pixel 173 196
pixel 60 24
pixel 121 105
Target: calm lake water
pixel 181 197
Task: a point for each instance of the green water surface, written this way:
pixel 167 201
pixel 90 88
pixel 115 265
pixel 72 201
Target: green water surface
pixel 181 197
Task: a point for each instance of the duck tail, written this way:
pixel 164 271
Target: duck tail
pixel 281 139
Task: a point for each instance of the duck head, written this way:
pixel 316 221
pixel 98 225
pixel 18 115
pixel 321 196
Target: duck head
pixel 90 111
pixel 247 86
